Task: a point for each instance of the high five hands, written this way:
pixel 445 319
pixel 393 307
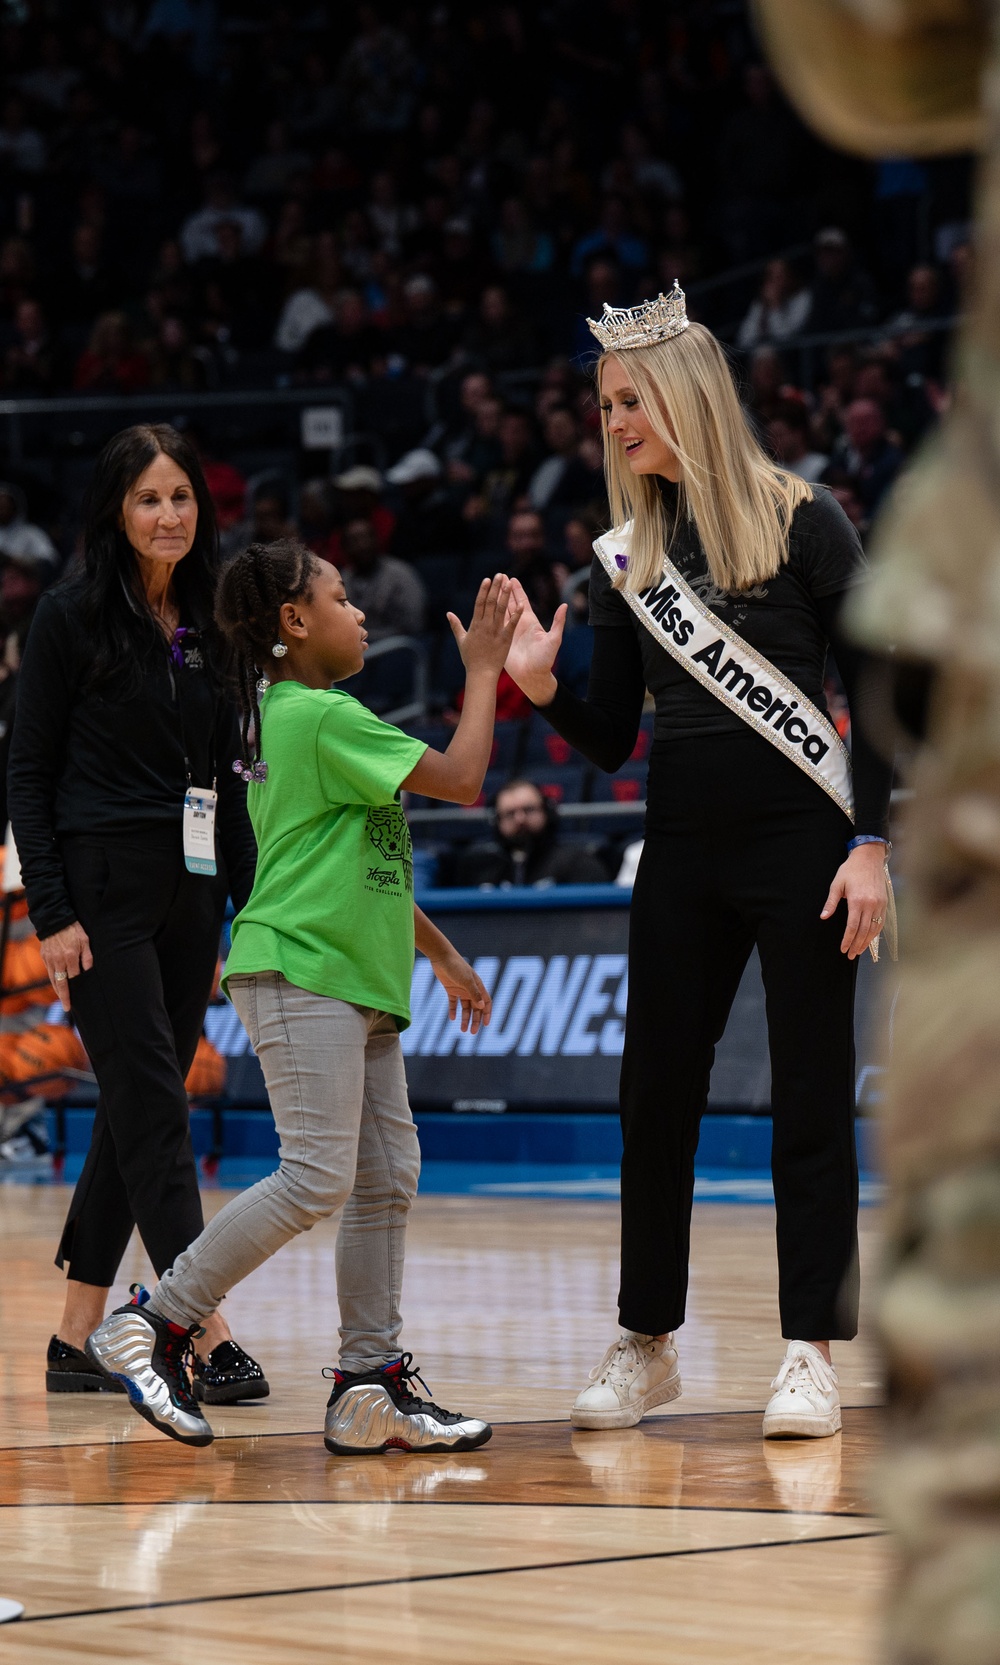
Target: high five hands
pixel 495 617
pixel 533 649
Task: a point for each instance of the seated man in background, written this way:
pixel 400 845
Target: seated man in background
pixel 390 594
pixel 866 454
pixel 788 438
pixel 358 496
pixel 270 518
pixel 20 539
pixel 527 850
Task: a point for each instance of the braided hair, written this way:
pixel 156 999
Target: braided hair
pixel 249 596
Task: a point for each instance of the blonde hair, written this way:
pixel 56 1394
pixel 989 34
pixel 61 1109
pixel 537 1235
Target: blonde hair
pixel 740 503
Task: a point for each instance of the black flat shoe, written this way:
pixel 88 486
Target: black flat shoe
pixel 227 1376
pixel 68 1370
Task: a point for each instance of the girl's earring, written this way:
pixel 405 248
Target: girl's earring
pixel 279 650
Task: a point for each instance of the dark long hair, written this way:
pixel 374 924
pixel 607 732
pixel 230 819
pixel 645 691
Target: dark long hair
pixel 252 589
pixel 111 600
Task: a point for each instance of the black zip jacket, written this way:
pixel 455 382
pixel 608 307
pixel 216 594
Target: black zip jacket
pixel 109 762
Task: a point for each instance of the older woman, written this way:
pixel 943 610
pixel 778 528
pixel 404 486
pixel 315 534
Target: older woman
pixel 121 716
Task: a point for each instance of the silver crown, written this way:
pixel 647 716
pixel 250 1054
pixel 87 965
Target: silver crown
pixel 621 327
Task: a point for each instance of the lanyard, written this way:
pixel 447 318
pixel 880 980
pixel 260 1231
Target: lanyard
pixel 200 803
pixel 175 658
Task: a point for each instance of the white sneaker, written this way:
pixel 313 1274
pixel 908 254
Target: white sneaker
pixel 636 1373
pixel 805 1403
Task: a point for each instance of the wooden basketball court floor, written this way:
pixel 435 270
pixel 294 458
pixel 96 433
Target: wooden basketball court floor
pixel 686 1539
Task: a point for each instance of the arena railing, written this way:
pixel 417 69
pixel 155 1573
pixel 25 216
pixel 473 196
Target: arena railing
pixel 133 407
pixel 338 435
pixel 432 820
pixel 809 348
pixel 417 706
pixel 747 272
pixel 436 819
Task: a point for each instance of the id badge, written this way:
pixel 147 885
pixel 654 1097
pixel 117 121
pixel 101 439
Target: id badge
pixel 199 830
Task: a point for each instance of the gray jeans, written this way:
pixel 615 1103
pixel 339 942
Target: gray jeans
pixel 335 1079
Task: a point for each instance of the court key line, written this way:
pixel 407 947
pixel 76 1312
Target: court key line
pixel 443 1577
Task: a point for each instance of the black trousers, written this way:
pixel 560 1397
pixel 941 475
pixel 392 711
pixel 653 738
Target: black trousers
pixel 154 931
pixel 741 849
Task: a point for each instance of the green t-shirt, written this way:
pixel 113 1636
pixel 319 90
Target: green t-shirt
pixel 332 901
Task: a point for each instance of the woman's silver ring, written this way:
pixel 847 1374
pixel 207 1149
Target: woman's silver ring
pixel 876 919
pixel 60 976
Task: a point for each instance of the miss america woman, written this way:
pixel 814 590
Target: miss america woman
pixel 719 589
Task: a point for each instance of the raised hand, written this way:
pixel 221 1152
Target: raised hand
pixel 495 616
pixel 533 650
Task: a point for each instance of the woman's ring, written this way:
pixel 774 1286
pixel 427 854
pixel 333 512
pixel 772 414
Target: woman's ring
pixel 60 977
pixel 876 919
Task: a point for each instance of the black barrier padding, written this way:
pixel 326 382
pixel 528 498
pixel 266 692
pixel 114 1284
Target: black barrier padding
pixel 558 980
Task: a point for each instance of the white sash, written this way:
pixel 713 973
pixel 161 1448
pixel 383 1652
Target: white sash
pixel 737 675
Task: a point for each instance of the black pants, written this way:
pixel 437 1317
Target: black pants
pixel 154 931
pixel 741 849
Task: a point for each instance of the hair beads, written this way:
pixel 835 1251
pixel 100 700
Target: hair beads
pixel 256 772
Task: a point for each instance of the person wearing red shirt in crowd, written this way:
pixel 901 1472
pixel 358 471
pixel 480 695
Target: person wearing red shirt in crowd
pixel 227 487
pixel 111 363
pixel 512 705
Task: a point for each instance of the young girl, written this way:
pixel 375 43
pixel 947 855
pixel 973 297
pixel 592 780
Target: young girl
pixel 320 972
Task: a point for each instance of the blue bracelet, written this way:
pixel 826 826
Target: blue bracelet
pixel 869 838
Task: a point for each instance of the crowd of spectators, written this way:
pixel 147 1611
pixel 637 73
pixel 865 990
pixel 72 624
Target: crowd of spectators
pixel 183 182
pixel 203 193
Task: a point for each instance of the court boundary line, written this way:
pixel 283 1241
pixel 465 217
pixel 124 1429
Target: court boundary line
pixel 444 1577
pixel 309 1433
pixel 427 1502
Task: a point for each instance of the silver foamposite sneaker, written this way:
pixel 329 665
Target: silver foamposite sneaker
pixel 151 1358
pixel 375 1412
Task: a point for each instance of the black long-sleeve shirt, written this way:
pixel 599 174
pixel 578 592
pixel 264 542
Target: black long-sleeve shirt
pixel 112 762
pixel 793 620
